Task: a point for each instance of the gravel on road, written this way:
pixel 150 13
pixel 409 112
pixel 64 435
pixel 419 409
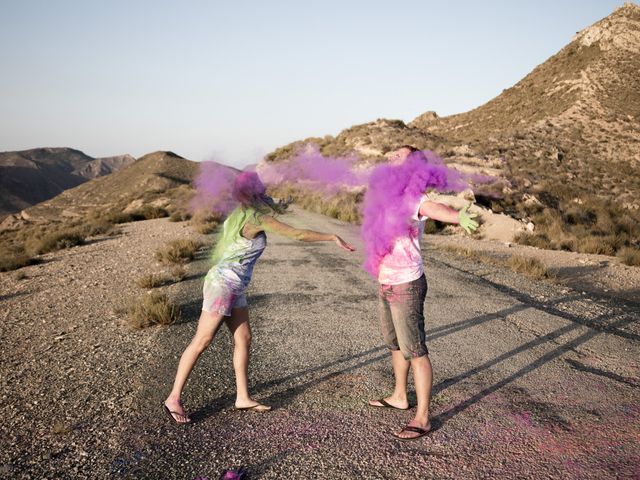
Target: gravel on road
pixel 532 379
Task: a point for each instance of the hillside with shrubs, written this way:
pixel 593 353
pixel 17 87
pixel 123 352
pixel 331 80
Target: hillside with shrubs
pixel 563 144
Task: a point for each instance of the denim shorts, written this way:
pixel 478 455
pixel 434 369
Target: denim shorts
pixel 402 317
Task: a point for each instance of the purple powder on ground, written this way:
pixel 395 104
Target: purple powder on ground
pixel 392 195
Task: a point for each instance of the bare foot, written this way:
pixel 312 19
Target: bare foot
pixel 391 402
pixel 176 410
pixel 413 430
pixel 251 404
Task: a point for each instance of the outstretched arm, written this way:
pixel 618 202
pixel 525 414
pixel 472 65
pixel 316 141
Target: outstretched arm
pixel 439 211
pixel 444 213
pixel 270 224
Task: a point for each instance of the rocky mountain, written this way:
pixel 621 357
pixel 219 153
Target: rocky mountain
pixel 154 178
pixel 31 176
pixel 568 129
pixel 572 126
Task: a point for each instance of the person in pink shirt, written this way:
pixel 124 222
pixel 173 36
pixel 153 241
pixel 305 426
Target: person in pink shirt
pixel 392 229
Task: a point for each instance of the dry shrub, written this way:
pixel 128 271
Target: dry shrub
pixel 531 267
pixel 344 206
pixel 630 256
pixel 587 224
pixel 207 227
pixel 538 240
pixel 97 227
pixel 179 216
pixel 178 251
pixel 204 216
pixel 56 240
pixel 154 280
pixel 146 212
pixel 177 273
pixel 433 226
pixel 462 251
pixel 598 245
pixel 13 258
pixel 152 309
pixel 206 222
pixel 20 275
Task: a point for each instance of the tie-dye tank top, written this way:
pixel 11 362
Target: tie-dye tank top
pixel 235 267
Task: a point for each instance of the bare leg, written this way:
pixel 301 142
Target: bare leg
pixel 401 371
pixel 208 326
pixel 423 380
pixel 239 327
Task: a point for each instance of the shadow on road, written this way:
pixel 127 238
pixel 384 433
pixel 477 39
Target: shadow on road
pixel 599 325
pixel 283 397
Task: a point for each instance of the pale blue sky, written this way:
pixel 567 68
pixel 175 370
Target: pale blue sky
pixel 233 80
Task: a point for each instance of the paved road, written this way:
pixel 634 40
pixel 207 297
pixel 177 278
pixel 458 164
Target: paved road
pixel 532 380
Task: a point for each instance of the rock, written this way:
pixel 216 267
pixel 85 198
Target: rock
pixel 530 200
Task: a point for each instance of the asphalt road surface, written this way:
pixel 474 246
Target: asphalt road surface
pixel 531 379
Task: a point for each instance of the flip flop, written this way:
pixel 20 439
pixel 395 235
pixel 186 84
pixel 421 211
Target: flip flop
pixel 409 428
pixel 170 413
pixel 385 404
pixel 254 408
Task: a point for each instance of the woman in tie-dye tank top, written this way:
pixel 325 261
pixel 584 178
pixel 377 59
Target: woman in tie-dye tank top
pixel 242 241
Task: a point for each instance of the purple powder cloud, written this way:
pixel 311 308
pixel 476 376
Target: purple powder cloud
pixel 327 174
pixel 214 188
pixel 392 195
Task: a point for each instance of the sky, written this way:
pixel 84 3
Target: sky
pixel 233 80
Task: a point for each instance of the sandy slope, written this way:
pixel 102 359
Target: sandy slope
pixel 531 380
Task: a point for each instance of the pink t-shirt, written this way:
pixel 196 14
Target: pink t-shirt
pixel 404 263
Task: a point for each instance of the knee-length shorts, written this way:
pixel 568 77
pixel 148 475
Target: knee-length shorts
pixel 401 314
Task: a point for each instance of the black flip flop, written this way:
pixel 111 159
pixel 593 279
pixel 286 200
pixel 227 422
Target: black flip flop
pixel 170 413
pixel 409 428
pixel 385 404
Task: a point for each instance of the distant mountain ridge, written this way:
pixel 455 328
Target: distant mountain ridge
pixel 153 176
pixel 31 176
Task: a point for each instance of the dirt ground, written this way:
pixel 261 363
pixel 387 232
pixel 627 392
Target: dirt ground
pixel 533 379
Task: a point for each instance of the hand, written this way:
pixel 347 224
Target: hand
pixel 342 244
pixel 466 220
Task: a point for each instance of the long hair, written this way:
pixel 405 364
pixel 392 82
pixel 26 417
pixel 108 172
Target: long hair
pixel 252 202
pixel 249 191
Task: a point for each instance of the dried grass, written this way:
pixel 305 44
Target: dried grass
pixel 630 256
pixel 155 280
pixel 152 309
pixel 178 251
pixel 529 266
pixel 56 240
